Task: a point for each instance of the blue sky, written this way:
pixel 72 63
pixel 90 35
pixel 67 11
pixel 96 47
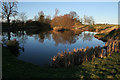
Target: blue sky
pixel 102 12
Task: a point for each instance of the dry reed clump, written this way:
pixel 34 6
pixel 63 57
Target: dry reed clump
pixel 113 46
pixel 78 56
pixel 12 43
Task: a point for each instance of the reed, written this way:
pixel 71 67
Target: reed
pixel 78 56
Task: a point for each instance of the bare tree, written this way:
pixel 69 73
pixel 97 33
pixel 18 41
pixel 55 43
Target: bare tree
pixel 73 14
pixel 56 12
pixel 9 9
pixel 41 16
pixel 23 16
pixel 48 19
pixel 85 19
pixel 81 20
pixel 40 13
pixel 88 20
pixel 91 20
pixel 36 18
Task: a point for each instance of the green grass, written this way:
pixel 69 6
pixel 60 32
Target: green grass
pixel 98 68
pixel 114 34
pixel 100 35
pixel 102 27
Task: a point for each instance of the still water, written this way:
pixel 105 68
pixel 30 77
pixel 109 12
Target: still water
pixel 39 48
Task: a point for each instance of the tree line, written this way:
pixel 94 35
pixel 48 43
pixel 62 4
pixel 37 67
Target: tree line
pixel 9 11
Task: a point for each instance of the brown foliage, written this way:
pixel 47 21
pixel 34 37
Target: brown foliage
pixel 62 21
pixel 78 56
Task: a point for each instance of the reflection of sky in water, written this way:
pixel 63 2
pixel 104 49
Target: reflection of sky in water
pixel 0 38
pixel 39 51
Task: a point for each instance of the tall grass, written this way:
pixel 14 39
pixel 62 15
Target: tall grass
pixel 78 56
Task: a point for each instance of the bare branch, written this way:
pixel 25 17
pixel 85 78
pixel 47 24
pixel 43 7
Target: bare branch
pixel 9 9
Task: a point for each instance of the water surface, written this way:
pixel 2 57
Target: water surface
pixel 39 48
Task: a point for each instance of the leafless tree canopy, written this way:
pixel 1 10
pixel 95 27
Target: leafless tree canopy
pixel 73 14
pixel 23 16
pixel 9 9
pixel 41 16
pixel 36 18
pixel 40 13
pixel 88 20
pixel 48 19
pixel 56 12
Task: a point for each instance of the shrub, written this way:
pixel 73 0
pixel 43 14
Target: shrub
pixel 13 45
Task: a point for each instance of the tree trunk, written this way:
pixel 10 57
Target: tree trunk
pixel 9 36
pixel 8 21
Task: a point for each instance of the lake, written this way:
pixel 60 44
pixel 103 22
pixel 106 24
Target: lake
pixel 40 47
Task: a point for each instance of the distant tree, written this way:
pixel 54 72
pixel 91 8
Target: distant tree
pixel 66 21
pixel 41 16
pixel 77 21
pixel 91 20
pixel 56 12
pixel 40 13
pixel 36 18
pixel 88 20
pixel 48 19
pixel 9 9
pixel 85 19
pixel 23 16
pixel 73 14
pixel 29 21
pixel 62 21
pixel 81 20
pixel 16 21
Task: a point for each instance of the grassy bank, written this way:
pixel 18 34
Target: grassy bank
pixel 97 68
pixel 114 34
pixel 96 28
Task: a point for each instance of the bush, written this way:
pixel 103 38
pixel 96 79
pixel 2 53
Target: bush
pixel 13 45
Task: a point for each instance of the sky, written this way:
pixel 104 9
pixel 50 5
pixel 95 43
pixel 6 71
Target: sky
pixel 102 12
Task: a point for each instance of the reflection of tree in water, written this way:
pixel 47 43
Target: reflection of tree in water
pixel 22 38
pixel 44 35
pixel 87 36
pixel 39 35
pixel 0 38
pixel 48 36
pixel 4 37
pixel 64 37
